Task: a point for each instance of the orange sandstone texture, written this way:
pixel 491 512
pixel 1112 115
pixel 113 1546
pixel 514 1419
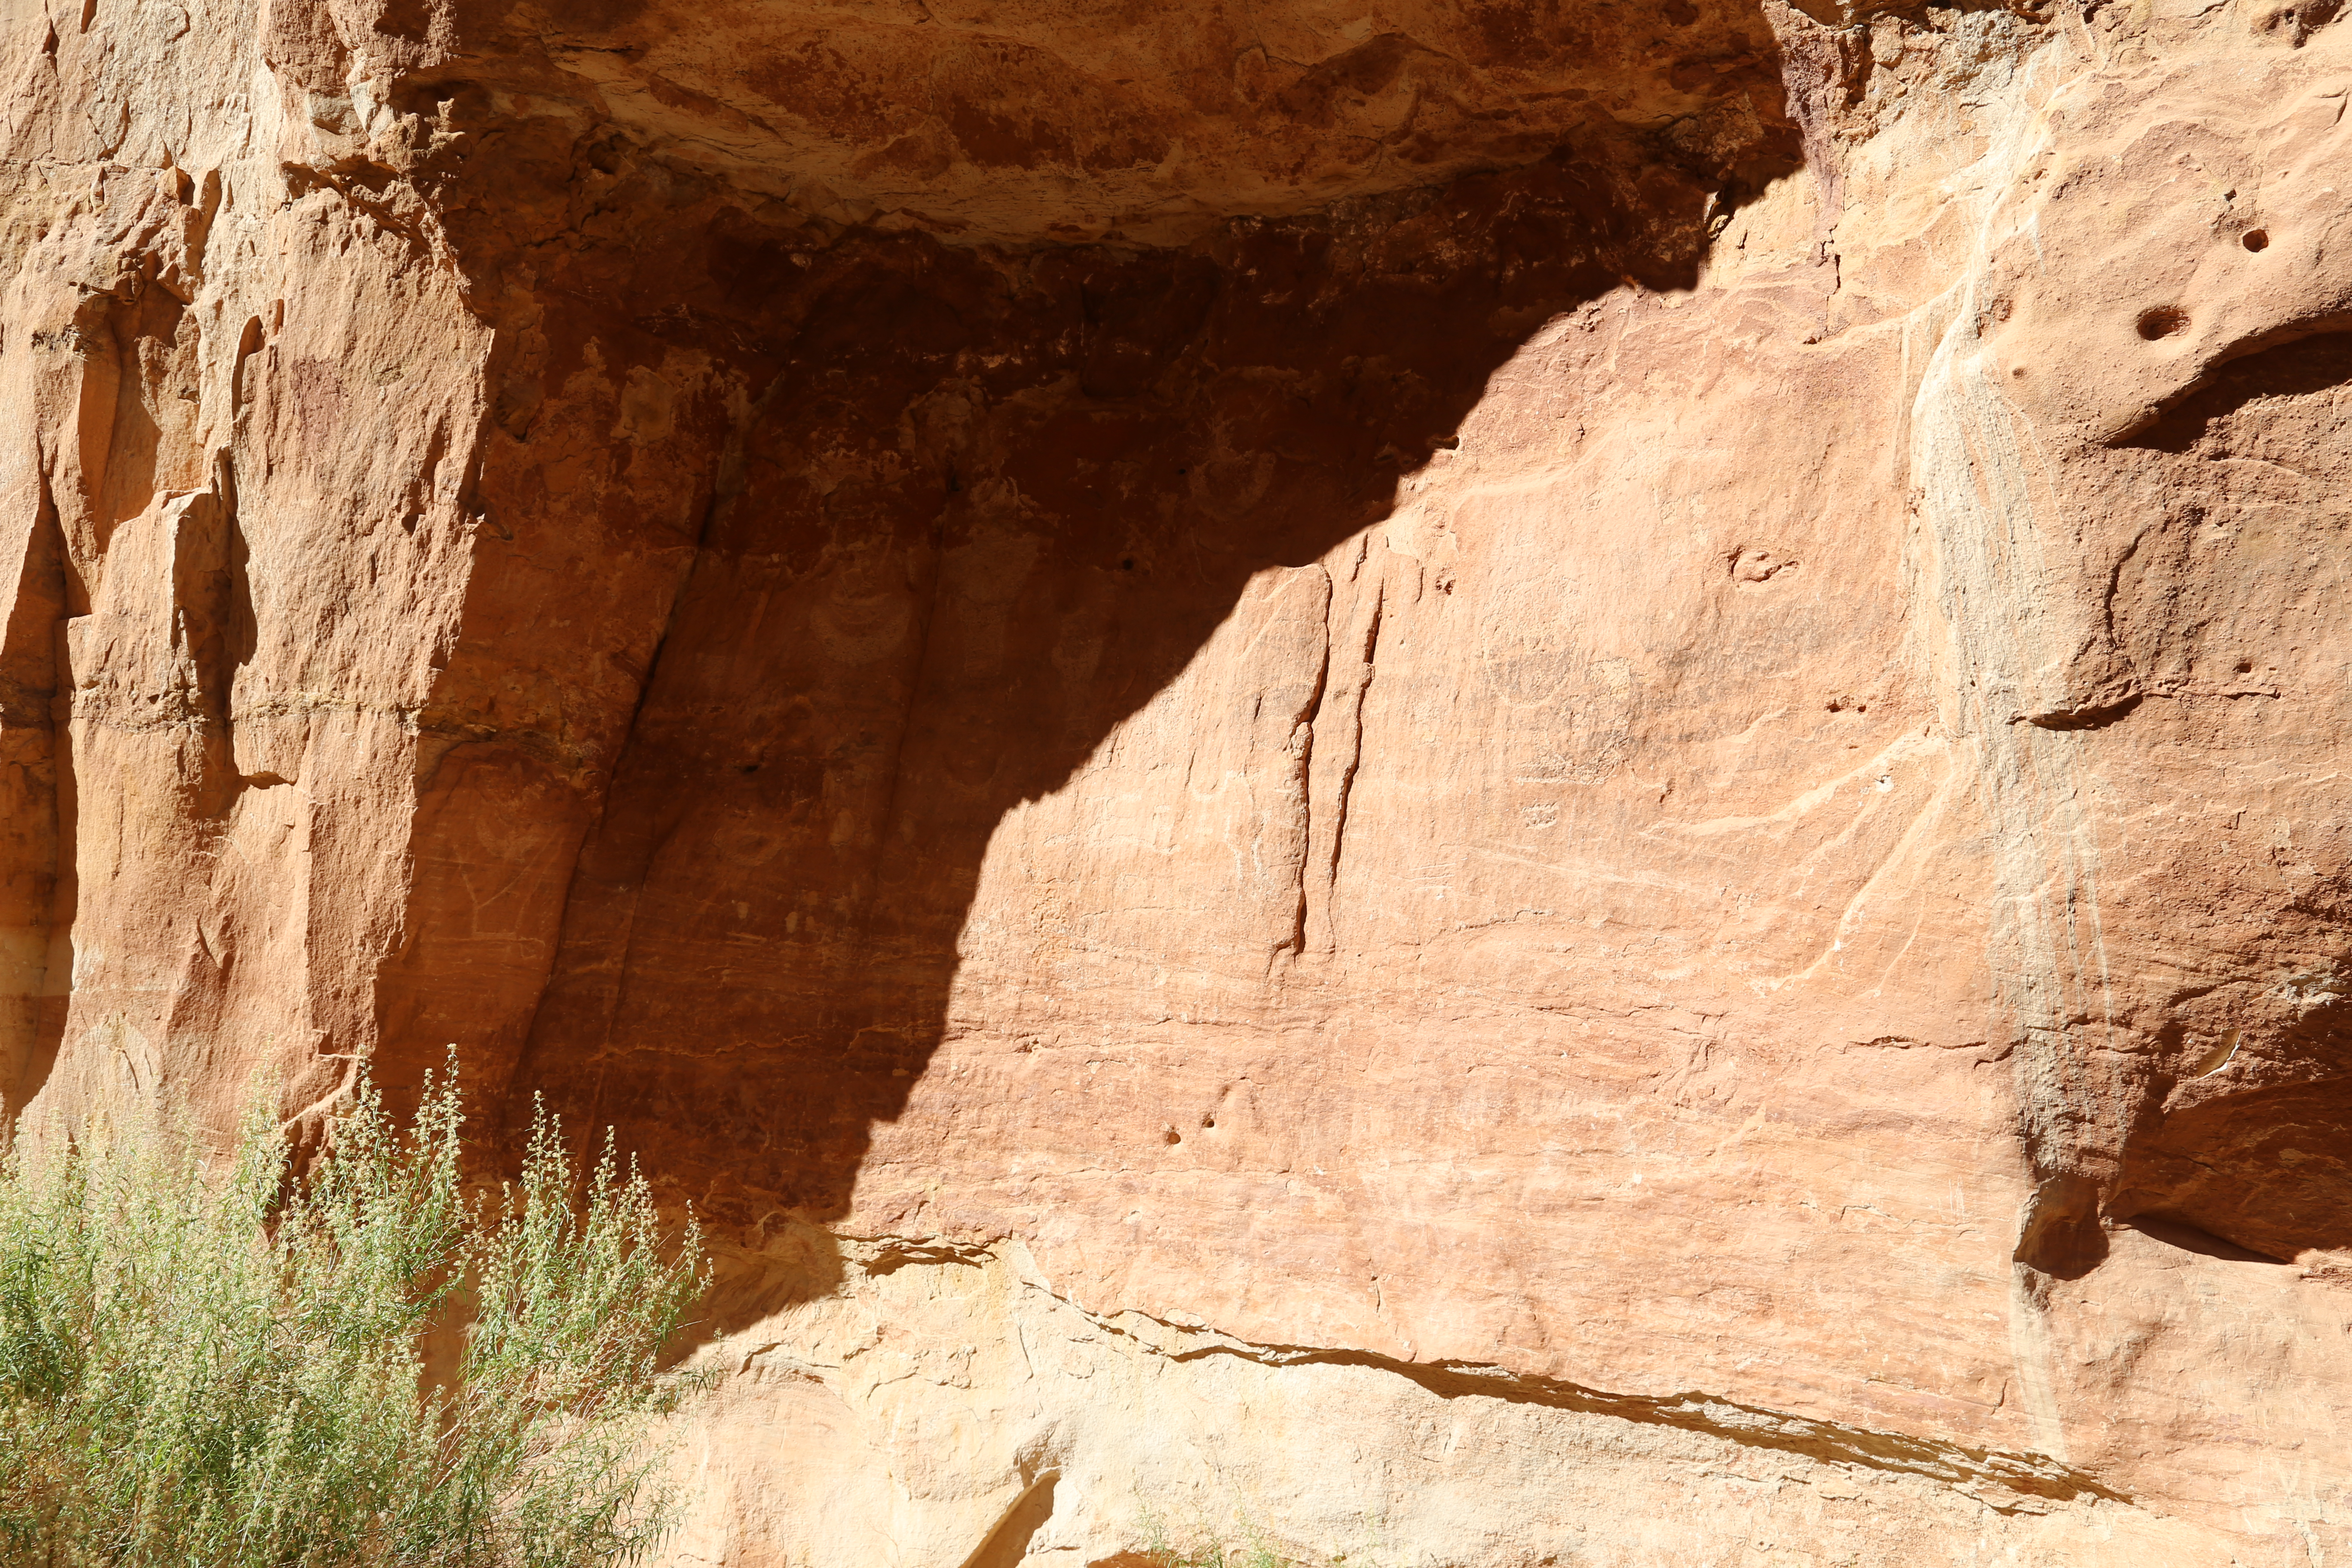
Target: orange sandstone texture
pixel 1499 784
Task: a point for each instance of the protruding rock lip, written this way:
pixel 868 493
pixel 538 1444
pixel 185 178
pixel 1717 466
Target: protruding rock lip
pixel 2094 715
pixel 1030 128
pixel 1977 1470
pixel 2133 428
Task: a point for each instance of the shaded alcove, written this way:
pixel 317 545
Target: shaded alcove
pixel 979 506
pixel 2259 1165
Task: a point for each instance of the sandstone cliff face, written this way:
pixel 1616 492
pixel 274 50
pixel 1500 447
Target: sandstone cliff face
pixel 1506 784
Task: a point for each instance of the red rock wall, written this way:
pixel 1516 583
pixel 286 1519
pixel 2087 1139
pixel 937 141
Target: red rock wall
pixel 1498 785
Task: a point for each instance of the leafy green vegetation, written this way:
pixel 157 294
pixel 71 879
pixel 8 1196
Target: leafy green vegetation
pixel 222 1363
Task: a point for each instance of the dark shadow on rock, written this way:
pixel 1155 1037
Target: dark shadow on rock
pixel 982 507
pixel 1007 1546
pixel 2061 1235
pixel 35 748
pixel 2262 1169
pixel 793 1263
pixel 2299 366
pixel 2204 1242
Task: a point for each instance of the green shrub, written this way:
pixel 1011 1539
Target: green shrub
pixel 217 1365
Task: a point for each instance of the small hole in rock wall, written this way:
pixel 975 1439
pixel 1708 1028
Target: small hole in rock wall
pixel 2255 239
pixel 2163 322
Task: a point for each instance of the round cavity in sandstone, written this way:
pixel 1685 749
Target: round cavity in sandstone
pixel 2163 322
pixel 2255 239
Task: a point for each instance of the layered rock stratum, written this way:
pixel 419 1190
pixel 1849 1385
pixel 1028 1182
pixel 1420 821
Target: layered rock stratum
pixel 1508 783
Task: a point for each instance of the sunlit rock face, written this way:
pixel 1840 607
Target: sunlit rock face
pixel 1475 784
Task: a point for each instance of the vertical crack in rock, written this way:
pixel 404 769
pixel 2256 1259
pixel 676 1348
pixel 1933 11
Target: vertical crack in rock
pixel 1298 779
pixel 722 493
pixel 1360 689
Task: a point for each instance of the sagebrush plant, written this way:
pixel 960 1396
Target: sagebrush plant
pixel 222 1363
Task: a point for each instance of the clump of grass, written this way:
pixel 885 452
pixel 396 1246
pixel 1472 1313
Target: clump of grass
pixel 218 1363
pixel 1163 1554
pixel 1214 1556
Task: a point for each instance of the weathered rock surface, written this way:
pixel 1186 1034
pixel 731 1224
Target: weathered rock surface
pixel 1506 783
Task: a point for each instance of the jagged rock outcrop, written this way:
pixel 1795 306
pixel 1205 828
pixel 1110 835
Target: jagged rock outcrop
pixel 1495 785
